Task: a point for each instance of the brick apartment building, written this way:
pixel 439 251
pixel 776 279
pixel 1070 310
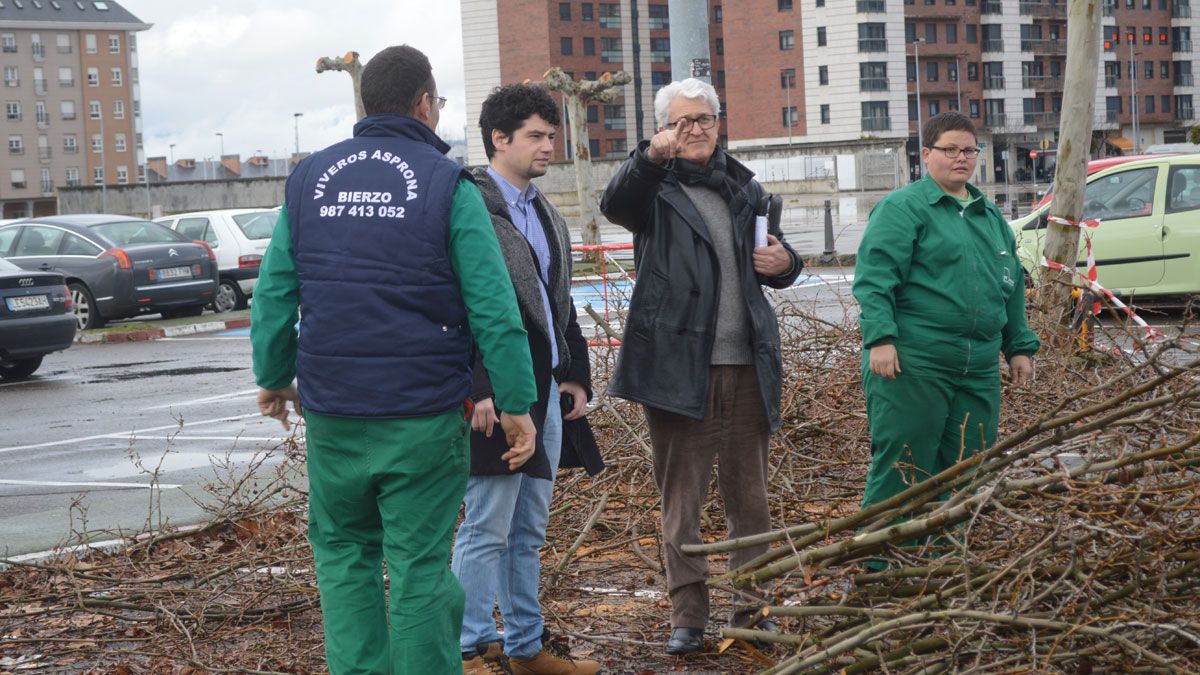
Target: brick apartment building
pixel 71 101
pixel 829 73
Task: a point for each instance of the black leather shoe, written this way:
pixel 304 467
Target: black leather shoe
pixel 769 626
pixel 685 641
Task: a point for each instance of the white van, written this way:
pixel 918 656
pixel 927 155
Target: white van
pixel 239 237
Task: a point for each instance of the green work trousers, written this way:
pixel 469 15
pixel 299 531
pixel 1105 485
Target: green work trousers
pixel 387 489
pixel 922 424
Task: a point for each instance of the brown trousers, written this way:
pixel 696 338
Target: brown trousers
pixel 734 433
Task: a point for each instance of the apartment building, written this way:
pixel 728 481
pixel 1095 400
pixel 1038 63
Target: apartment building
pixel 71 100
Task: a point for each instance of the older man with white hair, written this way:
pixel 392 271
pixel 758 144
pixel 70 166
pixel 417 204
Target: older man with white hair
pixel 701 346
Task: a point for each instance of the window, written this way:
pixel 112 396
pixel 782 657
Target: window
pixel 910 71
pixel 787 78
pixel 824 113
pixel 993 75
pixel 593 114
pixel 12 111
pixel 872 37
pixel 16 144
pixel 122 174
pixel 720 46
pixel 972 72
pixel 931 71
pixel 114 43
pixel 787 39
pixel 36 47
pixel 119 109
pixel 75 245
pixel 823 75
pixel 594 147
pixel 1149 70
pixel 17 177
pixel 97 143
pixel 89 43
pixel 98 175
pixel 39 240
pixel 872 76
pixel 972 33
pixel 564 11
pixel 565 46
pixel 875 116
pixel 610 15
pixel 585 11
pixel 935 107
pixel 719 83
pixel 660 78
pixel 198 228
pixel 973 106
pixel 610 50
pixel 93 77
pixel 1164 70
pixel 910 32
pixel 94 111
pixel 952 72
pixel 1183 189
pixel 1149 104
pixel 63 42
pixel 992 41
pixel 951 33
pixel 660 50
pixel 70 144
pixel 68 110
pixel 1147 35
pixel 39 111
pixel 66 78
pixel 119 143
pixel 718 14
pixel 1164 103
pixel 821 39
pixel 589 46
pixel 12 76
pixel 72 176
pixel 1127 194
pixel 1183 108
pixel 785 5
pixel 618 147
pixel 116 77
pixel 931 33
pixel 8 43
pixel 790 118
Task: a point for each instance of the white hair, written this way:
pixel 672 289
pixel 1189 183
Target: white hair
pixel 689 88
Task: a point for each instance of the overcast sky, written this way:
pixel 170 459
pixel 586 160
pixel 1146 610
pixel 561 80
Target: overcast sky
pixel 243 68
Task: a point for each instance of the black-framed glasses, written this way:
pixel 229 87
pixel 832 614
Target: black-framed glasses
pixel 705 122
pixel 441 101
pixel 952 152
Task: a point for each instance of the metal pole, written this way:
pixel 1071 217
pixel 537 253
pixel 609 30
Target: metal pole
pixel 788 89
pixel 103 169
pixel 958 79
pixel 297 117
pixel 920 139
pixel 1134 99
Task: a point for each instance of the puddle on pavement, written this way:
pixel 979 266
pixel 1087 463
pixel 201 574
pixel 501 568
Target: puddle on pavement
pixel 108 366
pixel 167 372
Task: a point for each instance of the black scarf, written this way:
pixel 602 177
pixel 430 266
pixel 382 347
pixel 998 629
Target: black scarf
pixel 713 175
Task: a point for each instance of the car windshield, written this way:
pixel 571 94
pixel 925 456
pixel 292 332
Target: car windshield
pixel 6 266
pixel 257 225
pixel 134 232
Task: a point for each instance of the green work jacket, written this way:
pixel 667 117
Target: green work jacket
pixel 942 282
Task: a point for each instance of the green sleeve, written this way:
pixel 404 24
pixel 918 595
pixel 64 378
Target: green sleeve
pixel 884 259
pixel 491 302
pixel 1017 337
pixel 274 311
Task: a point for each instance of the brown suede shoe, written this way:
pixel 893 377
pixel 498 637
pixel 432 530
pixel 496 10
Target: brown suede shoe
pixel 547 663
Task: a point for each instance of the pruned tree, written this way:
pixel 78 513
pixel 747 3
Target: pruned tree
pixel 349 64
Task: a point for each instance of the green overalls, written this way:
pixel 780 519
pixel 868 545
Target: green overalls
pixel 939 278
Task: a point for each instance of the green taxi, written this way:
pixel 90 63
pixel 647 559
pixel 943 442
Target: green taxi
pixel 1148 241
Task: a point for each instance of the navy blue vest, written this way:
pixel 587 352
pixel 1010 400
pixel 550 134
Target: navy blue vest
pixel 383 329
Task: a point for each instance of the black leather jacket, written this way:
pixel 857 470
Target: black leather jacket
pixel 669 332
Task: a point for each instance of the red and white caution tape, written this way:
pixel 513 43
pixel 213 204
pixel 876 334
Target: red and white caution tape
pixel 1100 291
pixel 1085 226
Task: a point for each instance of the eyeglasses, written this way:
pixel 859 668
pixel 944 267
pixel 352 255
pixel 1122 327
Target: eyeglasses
pixel 705 122
pixel 952 152
pixel 441 101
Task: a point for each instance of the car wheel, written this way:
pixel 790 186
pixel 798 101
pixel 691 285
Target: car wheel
pixel 182 312
pixel 87 315
pixel 19 369
pixel 229 297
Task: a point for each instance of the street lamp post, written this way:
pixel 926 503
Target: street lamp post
pixel 171 151
pixel 788 91
pixel 958 78
pixel 296 117
pixel 1133 99
pixel 917 68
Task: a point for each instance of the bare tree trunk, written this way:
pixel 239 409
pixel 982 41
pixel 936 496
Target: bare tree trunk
pixel 1079 95
pixel 349 64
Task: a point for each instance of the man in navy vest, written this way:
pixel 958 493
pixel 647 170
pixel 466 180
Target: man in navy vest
pixel 385 248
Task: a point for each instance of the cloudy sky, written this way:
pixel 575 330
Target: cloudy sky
pixel 244 68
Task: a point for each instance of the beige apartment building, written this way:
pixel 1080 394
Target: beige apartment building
pixel 72 112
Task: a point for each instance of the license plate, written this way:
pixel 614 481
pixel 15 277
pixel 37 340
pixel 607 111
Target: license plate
pixel 27 302
pixel 166 273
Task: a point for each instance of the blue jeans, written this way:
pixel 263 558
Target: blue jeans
pixel 496 552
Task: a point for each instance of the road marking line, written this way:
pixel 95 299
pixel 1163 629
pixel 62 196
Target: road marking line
pixel 59 483
pixel 181 437
pixel 35 381
pixel 122 435
pixel 209 399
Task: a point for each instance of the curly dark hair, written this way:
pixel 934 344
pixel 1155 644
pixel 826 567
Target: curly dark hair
pixel 948 121
pixel 394 80
pixel 507 108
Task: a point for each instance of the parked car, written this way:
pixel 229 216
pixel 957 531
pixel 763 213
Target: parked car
pixel 115 266
pixel 239 236
pixel 1148 241
pixel 36 319
pixel 1099 165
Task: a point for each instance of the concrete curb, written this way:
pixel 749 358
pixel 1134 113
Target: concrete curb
pixel 158 333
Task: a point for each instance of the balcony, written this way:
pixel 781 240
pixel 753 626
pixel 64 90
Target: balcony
pixel 1041 10
pixel 660 57
pixel 68 116
pixel 44 153
pixel 18 185
pixel 66 83
pixel 610 56
pixel 1044 82
pixel 1184 80
pixel 615 124
pixel 64 49
pixel 8 49
pixel 73 182
pixel 1179 11
pixel 1111 80
pixel 657 23
pixel 39 51
pixel 871 6
pixel 1044 46
pixel 43 121
pixel 14 117
pixel 872 44
pixel 877 124
pixel 16 149
pixel 1184 114
pixel 993 45
pixel 993 82
pixel 1182 46
pixel 991 7
pixel 48 187
pixel 872 84
pixel 39 86
pixel 1042 120
pixel 996 120
pixel 610 21
pixel 14 82
pixel 71 150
